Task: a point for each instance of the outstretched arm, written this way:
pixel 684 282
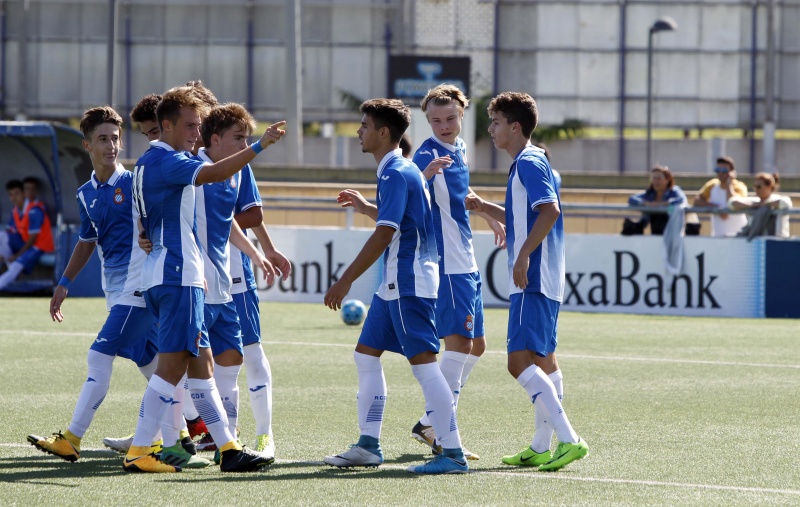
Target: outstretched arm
pixel 473 202
pixel 350 198
pixel 227 167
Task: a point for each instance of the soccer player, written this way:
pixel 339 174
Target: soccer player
pixel 245 296
pixel 401 316
pixel 164 196
pixel 459 307
pixel 144 115
pixel 30 233
pixel 224 132
pixel 107 220
pixel 535 240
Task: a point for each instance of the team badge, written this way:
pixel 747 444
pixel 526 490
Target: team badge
pixel 468 324
pixel 119 197
pixel 233 181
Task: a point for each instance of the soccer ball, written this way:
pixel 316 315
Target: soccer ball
pixel 353 312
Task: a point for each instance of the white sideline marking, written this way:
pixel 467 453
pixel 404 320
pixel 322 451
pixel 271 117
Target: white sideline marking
pixel 544 476
pixel 567 356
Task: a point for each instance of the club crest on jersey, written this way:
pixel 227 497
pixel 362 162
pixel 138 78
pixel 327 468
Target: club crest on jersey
pixel 232 182
pixel 119 197
pixel 469 325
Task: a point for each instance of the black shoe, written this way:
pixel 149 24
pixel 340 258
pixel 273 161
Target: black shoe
pixel 244 460
pixel 188 445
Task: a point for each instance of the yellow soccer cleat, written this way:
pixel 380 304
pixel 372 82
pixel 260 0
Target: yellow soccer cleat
pixel 57 445
pixel 149 463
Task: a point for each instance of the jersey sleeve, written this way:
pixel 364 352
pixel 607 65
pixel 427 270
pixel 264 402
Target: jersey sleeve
pixel 87 233
pixel 705 192
pixel 393 197
pixel 248 190
pixel 739 188
pixel 181 170
pixel 35 220
pixel 537 177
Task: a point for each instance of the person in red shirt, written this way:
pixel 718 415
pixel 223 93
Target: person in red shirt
pixel 29 233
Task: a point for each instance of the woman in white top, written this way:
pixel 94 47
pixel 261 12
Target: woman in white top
pixel 766 186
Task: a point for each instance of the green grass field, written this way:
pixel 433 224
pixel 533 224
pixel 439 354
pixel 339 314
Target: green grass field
pixel 676 411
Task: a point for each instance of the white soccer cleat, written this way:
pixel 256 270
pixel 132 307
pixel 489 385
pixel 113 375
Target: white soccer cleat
pixel 354 457
pixel 121 445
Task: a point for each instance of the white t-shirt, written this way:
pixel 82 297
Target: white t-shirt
pixel 730 225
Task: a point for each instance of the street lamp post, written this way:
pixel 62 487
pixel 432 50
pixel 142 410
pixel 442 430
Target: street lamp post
pixel 665 24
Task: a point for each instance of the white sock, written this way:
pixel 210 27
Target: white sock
pixel 371 396
pixel 149 370
pixel 542 393
pixel 157 399
pixel 544 430
pixel 189 411
pixel 259 383
pixel 438 404
pixel 227 379
pixel 172 423
pixel 452 366
pixel 14 269
pixel 468 366
pixel 209 405
pixel 92 393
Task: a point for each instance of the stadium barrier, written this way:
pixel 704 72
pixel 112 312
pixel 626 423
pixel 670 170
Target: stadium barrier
pixel 722 277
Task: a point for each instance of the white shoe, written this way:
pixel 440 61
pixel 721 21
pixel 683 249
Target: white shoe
pixel 354 457
pixel 121 445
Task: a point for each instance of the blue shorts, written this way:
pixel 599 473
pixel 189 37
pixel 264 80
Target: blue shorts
pixel 404 325
pixel 459 309
pixel 179 317
pixel 29 259
pixel 532 323
pixel 221 328
pixel 249 316
pixel 129 332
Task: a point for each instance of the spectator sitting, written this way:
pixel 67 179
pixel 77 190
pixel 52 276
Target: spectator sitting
pixel 29 234
pixel 765 187
pixel 662 192
pixel 717 192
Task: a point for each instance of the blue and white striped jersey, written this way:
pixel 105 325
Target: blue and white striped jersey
pixel 108 218
pixel 214 208
pixel 450 216
pixel 410 267
pixel 531 183
pixel 164 196
pixel 241 267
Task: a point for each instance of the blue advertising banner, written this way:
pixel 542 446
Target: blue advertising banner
pixel 410 77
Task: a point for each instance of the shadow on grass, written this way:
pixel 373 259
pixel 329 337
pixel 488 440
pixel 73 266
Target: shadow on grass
pixel 46 468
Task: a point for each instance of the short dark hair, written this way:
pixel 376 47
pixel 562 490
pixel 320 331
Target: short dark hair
pixel 405 145
pixel 176 98
pixel 517 107
pixel 223 117
pixel 12 184
pixel 96 116
pixel 389 113
pixel 546 150
pixel 33 180
pixel 727 160
pixel 145 110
